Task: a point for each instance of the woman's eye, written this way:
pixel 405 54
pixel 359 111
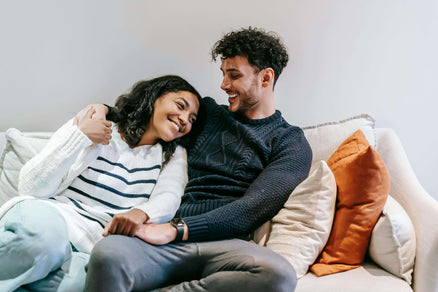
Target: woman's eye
pixel 180 105
pixel 192 120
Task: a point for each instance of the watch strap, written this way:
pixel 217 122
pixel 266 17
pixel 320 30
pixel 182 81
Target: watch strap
pixel 179 224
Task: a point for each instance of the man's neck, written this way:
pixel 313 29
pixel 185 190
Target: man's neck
pixel 265 108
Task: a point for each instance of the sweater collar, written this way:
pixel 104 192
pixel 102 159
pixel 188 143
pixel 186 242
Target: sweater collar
pixel 243 119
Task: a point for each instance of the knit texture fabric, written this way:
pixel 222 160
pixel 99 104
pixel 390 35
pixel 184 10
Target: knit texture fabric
pixel 241 172
pixel 89 184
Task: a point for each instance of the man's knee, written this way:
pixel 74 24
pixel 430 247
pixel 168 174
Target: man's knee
pixel 278 275
pixel 268 271
pixel 272 272
pixel 109 266
pixel 105 257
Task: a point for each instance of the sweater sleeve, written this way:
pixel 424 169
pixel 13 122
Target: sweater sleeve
pixel 42 175
pixel 289 165
pixel 169 188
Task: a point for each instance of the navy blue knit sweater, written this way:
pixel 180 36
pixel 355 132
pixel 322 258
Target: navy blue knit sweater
pixel 241 172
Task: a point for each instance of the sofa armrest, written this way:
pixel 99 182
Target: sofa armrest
pixel 2 141
pixel 420 206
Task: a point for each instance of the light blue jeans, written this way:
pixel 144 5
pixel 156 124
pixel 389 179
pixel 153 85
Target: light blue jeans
pixel 35 251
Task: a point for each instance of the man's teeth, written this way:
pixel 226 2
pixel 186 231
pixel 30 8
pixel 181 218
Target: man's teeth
pixel 232 96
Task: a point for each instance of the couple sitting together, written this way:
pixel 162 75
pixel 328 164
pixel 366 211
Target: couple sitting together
pixel 165 188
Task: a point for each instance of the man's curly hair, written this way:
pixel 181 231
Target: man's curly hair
pixel 263 49
pixel 133 111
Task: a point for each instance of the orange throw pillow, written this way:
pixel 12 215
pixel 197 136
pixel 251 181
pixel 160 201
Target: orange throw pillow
pixel 363 186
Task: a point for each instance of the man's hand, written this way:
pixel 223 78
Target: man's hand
pixel 159 234
pixel 126 223
pixel 91 121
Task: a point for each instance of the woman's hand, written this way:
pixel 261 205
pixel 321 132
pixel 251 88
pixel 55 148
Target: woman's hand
pixel 91 121
pixel 126 223
pixel 99 112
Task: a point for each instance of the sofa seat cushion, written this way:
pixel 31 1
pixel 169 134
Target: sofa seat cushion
pixel 366 278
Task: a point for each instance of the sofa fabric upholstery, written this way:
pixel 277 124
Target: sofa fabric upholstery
pixel 419 206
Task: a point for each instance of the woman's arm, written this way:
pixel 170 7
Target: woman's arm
pixel 92 122
pixel 42 175
pixel 166 196
pixel 163 202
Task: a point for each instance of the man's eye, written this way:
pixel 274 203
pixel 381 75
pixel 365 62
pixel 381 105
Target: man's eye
pixel 234 77
pixel 192 120
pixel 180 105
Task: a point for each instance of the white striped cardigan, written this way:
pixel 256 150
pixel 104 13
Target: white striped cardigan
pixel 90 183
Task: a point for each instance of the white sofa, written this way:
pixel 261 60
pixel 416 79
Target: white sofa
pixel 421 208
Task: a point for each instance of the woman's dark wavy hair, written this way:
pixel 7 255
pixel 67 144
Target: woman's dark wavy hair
pixel 133 111
pixel 263 49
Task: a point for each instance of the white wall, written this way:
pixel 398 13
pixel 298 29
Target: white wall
pixel 347 57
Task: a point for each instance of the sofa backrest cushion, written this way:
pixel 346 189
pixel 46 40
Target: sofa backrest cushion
pixel 301 228
pixel 18 150
pixel 325 138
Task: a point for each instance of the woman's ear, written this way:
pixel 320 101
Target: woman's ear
pixel 267 77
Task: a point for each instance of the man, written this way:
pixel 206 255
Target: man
pixel 244 162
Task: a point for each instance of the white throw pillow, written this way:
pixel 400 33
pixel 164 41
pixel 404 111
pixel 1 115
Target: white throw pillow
pixel 393 243
pixel 324 139
pixel 302 227
pixel 18 150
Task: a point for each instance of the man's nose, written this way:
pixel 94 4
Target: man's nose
pixel 225 84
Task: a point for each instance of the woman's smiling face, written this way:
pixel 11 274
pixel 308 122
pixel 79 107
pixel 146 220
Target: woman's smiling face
pixel 173 116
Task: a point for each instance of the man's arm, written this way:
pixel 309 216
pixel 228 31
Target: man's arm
pixel 262 200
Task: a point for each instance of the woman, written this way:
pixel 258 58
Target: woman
pixel 87 190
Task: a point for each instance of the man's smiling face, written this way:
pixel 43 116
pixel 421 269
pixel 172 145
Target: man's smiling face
pixel 242 83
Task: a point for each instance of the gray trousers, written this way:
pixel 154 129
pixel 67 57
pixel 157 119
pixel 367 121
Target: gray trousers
pixel 121 263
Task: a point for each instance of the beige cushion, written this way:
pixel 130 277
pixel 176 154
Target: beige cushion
pixel 301 228
pixel 324 139
pixel 18 150
pixel 392 244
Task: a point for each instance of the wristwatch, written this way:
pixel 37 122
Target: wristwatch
pixel 179 224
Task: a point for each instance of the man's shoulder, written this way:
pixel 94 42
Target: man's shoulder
pixel 211 103
pixel 211 111
pixel 284 128
pixel 209 100
pixel 290 136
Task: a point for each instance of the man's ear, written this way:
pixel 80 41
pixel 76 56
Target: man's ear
pixel 267 77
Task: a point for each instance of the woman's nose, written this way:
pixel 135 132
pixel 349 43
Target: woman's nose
pixel 183 119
